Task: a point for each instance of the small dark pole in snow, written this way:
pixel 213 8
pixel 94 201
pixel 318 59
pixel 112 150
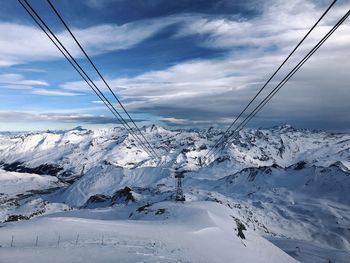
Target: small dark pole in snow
pixel 36 241
pixel 12 241
pixel 58 241
pixel 76 241
pixel 102 240
pixel 200 161
pixel 179 193
pixel 82 171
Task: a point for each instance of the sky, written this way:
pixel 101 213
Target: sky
pixel 184 63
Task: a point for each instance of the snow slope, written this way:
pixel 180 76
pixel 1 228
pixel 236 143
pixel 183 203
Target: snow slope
pixel 194 232
pixel 20 194
pixel 108 179
pixel 12 183
pixel 308 203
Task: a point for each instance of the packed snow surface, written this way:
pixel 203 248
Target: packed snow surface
pixel 191 232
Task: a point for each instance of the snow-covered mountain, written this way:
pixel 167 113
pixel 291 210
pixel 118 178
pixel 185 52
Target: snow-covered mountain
pixel 288 185
pixel 72 153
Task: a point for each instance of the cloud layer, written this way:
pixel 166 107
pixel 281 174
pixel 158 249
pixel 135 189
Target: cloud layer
pixel 18 116
pixel 204 92
pixel 210 91
pixel 23 43
pixel 19 83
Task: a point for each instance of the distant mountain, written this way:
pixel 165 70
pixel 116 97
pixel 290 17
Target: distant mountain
pixel 70 154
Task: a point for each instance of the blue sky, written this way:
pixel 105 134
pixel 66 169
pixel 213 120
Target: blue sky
pixel 176 63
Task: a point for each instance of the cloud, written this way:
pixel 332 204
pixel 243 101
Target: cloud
pixel 97 102
pixel 19 80
pixel 16 116
pixel 279 26
pixel 208 91
pixel 100 3
pixel 23 43
pixel 49 92
pixel 175 121
pixel 202 92
pixel 188 122
pixel 36 70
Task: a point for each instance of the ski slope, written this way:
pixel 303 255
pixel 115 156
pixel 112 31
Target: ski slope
pixel 191 232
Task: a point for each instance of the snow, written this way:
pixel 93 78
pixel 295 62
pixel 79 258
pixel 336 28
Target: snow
pixel 310 252
pixel 12 183
pixel 285 185
pixel 196 232
pixel 79 150
pixel 311 203
pixel 107 180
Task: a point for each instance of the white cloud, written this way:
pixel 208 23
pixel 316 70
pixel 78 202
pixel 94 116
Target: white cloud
pixel 175 121
pixel 210 91
pixel 281 25
pixel 49 92
pixel 18 116
pixel 23 43
pixel 97 101
pixel 189 122
pixel 19 80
